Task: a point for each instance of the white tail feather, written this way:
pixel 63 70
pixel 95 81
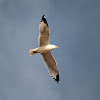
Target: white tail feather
pixel 33 51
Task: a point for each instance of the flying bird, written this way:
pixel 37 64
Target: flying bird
pixel 45 49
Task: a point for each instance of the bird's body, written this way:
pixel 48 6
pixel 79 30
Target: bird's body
pixel 45 49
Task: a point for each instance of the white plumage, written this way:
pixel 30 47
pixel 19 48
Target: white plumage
pixel 45 49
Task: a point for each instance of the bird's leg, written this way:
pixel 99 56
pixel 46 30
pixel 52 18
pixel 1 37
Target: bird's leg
pixel 35 51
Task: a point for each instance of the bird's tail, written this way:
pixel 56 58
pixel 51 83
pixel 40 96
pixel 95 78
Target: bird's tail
pixel 33 51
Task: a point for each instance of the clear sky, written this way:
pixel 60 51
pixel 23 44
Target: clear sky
pixel 74 27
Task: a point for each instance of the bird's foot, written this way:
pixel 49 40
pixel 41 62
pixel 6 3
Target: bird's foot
pixel 35 51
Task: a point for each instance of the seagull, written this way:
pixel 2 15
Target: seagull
pixel 45 49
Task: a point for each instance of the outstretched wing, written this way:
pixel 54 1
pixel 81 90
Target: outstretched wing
pixel 51 65
pixel 43 32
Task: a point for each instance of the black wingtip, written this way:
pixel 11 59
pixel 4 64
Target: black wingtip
pixel 57 78
pixel 43 16
pixel 44 20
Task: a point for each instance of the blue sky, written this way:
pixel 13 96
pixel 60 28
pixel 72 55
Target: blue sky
pixel 74 27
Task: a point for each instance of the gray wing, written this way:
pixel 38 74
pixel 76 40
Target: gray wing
pixel 43 32
pixel 51 65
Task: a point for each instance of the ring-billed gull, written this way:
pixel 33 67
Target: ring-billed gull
pixel 45 49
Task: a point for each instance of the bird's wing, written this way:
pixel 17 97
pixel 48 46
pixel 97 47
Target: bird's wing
pixel 51 65
pixel 43 32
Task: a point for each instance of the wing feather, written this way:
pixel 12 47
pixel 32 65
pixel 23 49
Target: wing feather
pixel 43 32
pixel 51 65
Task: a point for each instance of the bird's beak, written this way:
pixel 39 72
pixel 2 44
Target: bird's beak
pixel 57 47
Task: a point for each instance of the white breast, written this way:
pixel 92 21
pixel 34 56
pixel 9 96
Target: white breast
pixel 44 49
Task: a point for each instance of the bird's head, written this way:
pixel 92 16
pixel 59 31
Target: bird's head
pixel 54 46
